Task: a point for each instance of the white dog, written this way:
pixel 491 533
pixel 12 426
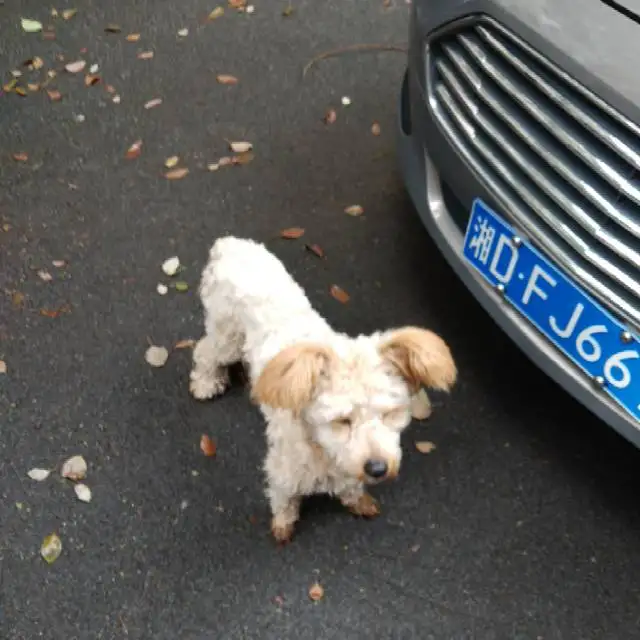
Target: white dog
pixel 335 406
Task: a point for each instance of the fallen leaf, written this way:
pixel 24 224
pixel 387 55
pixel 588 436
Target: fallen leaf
pixel 54 313
pixel 21 91
pixel 316 592
pixel 79 117
pixel 54 95
pixel 240 147
pixel 218 12
pixel 184 344
pixel 145 55
pixel 225 162
pixel 35 63
pixel 375 128
pixel 225 78
pixel 133 37
pixel 183 33
pixel 109 88
pixel 113 28
pixel 38 474
pixel 213 166
pixel 171 162
pixel 75 468
pixel 171 265
pixel 90 80
pixel 116 99
pixel 346 101
pixel 156 356
pixel 93 68
pixel 134 150
pixel 237 4
pixel 31 26
pixel 287 11
pixel 316 249
pixel 82 492
pixel 339 294
pixel 354 210
pixel 67 14
pixel 75 67
pixel 17 298
pixel 176 174
pixel 59 263
pixel 330 116
pixel 162 289
pixel 153 103
pixel 3 367
pixel 181 286
pixel 51 548
pixel 33 86
pixel 21 156
pixel 208 446
pixel 424 446
pixel 250 9
pixel 243 158
pixel 45 275
pixel 10 86
pixel 292 233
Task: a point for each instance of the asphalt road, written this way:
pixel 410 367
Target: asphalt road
pixel 523 523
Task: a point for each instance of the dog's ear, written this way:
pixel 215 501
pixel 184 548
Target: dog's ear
pixel 290 378
pixel 420 356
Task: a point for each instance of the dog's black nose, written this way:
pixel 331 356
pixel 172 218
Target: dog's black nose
pixel 375 468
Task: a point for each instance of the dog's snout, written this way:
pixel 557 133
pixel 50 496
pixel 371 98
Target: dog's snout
pixel 376 468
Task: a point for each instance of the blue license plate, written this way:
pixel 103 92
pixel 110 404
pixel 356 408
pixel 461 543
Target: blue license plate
pixel 566 315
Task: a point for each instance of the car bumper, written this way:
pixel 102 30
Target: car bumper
pixel 429 164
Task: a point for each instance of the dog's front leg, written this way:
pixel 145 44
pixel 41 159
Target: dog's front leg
pixel 286 511
pixel 359 502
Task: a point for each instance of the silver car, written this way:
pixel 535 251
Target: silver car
pixel 519 143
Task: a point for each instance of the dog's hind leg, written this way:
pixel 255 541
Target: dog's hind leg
pixel 214 352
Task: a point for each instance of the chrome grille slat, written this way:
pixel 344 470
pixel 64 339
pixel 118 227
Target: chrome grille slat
pixel 626 144
pixel 560 161
pixel 455 119
pixel 548 183
pixel 579 144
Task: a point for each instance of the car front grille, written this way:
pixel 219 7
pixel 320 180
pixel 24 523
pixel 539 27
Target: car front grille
pixel 563 164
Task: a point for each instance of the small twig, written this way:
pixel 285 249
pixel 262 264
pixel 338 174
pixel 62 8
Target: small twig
pixel 354 48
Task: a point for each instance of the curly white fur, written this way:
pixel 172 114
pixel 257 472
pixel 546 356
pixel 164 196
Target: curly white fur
pixel 335 406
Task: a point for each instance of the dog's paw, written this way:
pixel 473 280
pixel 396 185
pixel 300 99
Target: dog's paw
pixel 205 387
pixel 366 506
pixel 420 405
pixel 282 531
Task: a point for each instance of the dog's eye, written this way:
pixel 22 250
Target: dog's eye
pixel 342 422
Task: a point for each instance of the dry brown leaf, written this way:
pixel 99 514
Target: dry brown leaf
pixel 354 210
pixel 153 103
pixel 21 91
pixel 75 67
pixel 133 37
pixel 134 150
pixel 316 249
pixel 218 12
pixel 91 79
pixel 21 156
pixel 75 468
pixel 67 14
pixel 208 446
pixel 145 55
pixel 237 4
pixel 292 233
pixel 59 263
pixel 176 174
pixel 242 158
pixel 316 592
pixel 32 86
pixel 54 95
pixel 424 446
pixel 45 275
pixel 54 313
pixel 339 294
pixel 110 88
pixel 375 128
pixel 225 78
pixel 17 298
pixel 113 28
pixel 241 146
pixel 184 344
pixel 3 367
pixel 171 162
pixel 48 35
pixel 225 161
pixel 330 116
